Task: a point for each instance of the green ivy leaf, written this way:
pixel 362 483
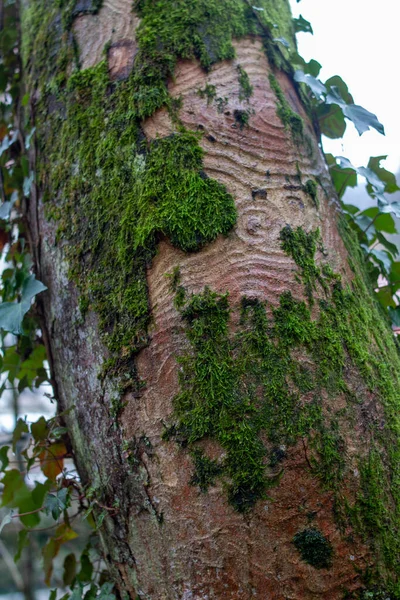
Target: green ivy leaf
pixel 338 83
pixel 301 24
pixel 395 316
pixel 331 120
pixel 106 592
pixel 23 541
pixel 392 248
pixel 315 85
pixel 383 259
pixel 86 571
pixel 362 119
pixel 12 313
pixel 385 176
pixel 69 569
pixel 39 430
pixel 20 428
pixel 56 503
pixel 4 457
pixel 343 175
pixel 393 207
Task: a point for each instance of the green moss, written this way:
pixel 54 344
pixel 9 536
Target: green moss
pixel 245 87
pixel 209 92
pixel 310 188
pixel 315 549
pixel 206 470
pixel 243 387
pixel 242 117
pixel 130 192
pixel 301 246
pixel 290 119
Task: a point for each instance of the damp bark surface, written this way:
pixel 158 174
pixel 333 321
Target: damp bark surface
pixel 302 532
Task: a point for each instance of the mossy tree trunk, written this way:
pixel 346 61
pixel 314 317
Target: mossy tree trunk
pixel 234 387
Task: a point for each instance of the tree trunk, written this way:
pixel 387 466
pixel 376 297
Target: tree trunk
pixel 234 388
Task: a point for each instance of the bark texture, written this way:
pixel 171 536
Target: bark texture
pixel 313 521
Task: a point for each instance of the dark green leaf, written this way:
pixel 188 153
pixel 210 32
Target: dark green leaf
pixel 386 176
pixel 56 503
pixel 342 176
pixel 383 259
pixel 385 222
pixel 395 316
pixel 86 571
pixel 312 68
pixel 338 83
pixel 39 429
pixel 23 541
pixel 393 249
pixel 69 569
pixel 20 428
pixel 12 482
pixel 4 457
pixel 331 120
pixel 12 313
pixel 302 24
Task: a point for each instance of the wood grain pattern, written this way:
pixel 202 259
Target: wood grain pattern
pixel 115 23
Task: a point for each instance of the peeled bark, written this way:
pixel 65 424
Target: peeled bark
pixel 324 509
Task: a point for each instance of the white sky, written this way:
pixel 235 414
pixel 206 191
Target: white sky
pixel 359 40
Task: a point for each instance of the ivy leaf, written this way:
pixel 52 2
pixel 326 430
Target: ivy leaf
pixel 4 457
pixel 12 313
pixel 6 520
pixel 39 429
pixel 393 249
pixel 12 483
pixel 20 428
pixel 69 569
pixel 363 119
pixel 28 184
pixel 52 460
pixel 343 175
pixel 395 316
pixel 393 207
pixel 22 543
pixel 302 24
pixel 384 222
pixel 86 570
pixel 385 176
pixel 62 535
pixel 106 592
pixel 313 68
pixel 6 207
pixel 331 120
pixel 315 85
pixel 56 503
pixel 383 259
pixel 338 83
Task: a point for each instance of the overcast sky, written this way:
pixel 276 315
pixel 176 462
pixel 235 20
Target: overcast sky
pixel 359 40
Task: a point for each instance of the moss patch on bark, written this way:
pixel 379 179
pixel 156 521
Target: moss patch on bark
pixel 244 387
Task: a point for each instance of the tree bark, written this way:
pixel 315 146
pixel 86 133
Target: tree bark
pixel 248 442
